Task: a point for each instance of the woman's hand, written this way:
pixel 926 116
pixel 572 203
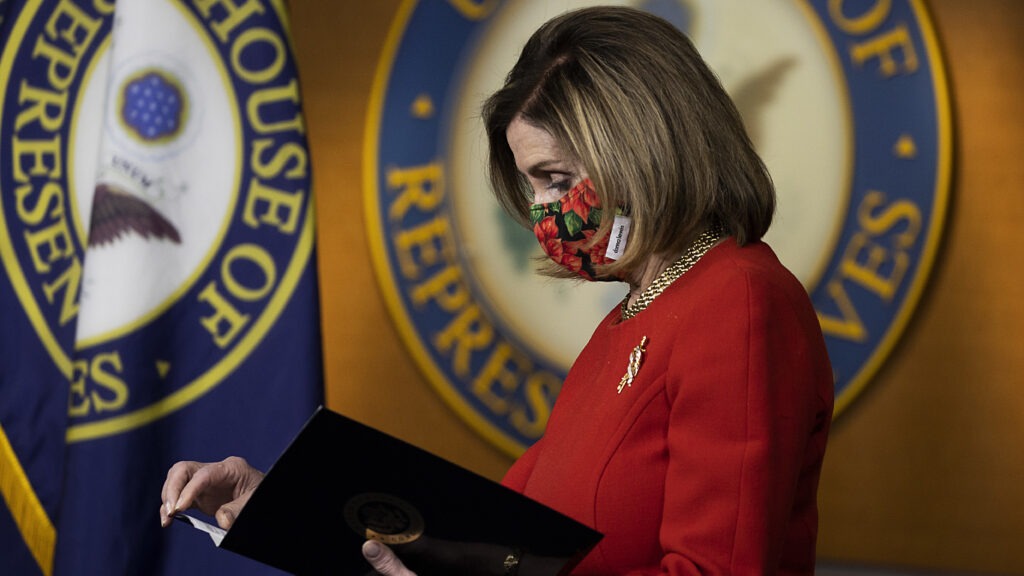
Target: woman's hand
pixel 219 489
pixel 384 560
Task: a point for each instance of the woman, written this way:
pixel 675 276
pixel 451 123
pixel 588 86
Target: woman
pixel 691 428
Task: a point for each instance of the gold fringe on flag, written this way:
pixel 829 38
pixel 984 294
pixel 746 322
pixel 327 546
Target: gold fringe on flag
pixel 33 523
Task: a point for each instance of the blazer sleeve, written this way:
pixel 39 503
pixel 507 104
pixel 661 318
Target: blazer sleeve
pixel 747 406
pixel 519 473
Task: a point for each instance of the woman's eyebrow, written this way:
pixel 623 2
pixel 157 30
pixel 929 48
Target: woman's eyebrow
pixel 545 166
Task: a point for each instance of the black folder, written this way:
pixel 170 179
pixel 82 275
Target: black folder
pixel 340 482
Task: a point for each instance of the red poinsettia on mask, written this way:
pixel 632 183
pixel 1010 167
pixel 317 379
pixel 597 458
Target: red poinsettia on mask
pixel 564 227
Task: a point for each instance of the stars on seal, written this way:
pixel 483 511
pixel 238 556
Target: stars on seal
pixel 154 106
pixel 163 368
pixel 422 107
pixel 905 147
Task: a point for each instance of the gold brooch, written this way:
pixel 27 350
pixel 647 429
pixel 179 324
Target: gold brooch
pixel 636 357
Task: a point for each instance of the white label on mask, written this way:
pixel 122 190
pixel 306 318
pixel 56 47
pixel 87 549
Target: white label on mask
pixel 617 242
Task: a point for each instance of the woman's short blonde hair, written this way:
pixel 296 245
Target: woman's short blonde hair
pixel 626 95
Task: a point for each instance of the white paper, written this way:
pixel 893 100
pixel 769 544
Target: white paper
pixel 216 532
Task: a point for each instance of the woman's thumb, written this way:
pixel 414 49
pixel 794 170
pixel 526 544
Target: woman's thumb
pixel 383 560
pixel 226 515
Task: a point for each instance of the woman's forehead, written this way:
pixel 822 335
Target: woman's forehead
pixel 532 145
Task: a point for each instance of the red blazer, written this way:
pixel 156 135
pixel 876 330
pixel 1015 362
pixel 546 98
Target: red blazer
pixel 709 462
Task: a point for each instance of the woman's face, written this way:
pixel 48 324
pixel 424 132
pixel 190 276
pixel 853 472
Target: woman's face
pixel 550 171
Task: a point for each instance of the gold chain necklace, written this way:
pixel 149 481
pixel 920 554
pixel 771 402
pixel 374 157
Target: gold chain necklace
pixel 699 248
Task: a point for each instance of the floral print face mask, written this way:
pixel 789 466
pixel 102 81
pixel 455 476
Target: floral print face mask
pixel 564 227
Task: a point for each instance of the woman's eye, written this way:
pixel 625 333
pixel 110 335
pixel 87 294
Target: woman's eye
pixel 561 184
pixel 550 185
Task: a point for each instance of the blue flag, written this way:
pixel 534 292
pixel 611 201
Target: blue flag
pixel 34 341
pixel 160 300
